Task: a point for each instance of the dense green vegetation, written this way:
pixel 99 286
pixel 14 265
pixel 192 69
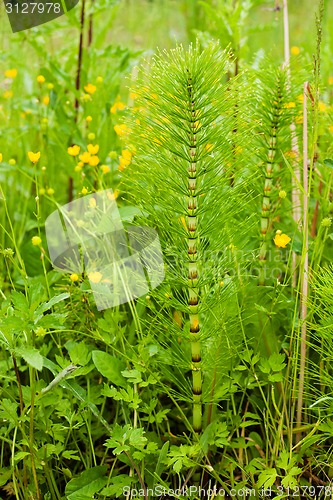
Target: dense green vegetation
pixel 210 124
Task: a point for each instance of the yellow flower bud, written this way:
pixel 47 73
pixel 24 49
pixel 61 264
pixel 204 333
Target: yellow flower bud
pixel 36 241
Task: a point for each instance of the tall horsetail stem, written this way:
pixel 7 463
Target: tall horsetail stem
pixel 193 276
pixel 266 202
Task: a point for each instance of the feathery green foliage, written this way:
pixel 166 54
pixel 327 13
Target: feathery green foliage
pixel 181 179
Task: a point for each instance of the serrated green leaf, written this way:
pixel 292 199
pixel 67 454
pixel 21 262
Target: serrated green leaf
pixel 31 356
pixel 8 411
pixel 79 352
pixel 20 302
pixel 277 362
pixel 177 466
pixel 266 478
pixel 137 438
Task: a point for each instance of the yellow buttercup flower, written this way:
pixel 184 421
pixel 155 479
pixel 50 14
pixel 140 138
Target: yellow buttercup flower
pixel 93 150
pixel 73 150
pixel 84 191
pixel 40 79
pixel 127 154
pixel 1 157
pixel 92 203
pixel 124 162
pixel 99 79
pixel 50 86
pixel 34 157
pixel 90 88
pixel 94 161
pixel 291 154
pixel 118 106
pixel 281 239
pixel 105 169
pixel 74 277
pixel 95 277
pixel 89 119
pixel 11 73
pixel 85 157
pixel 46 100
pixel 12 162
pixel 290 105
pixel 36 241
pixel 322 106
pixel 121 129
pixel 91 136
pixel 50 191
pixel 295 50
pixel 330 128
pixel 114 195
pixel 330 80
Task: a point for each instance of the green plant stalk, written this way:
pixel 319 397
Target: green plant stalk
pixel 304 268
pixel 266 206
pixel 193 275
pixel 31 433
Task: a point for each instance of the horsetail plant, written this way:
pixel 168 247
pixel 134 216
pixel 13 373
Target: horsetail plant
pixel 185 140
pixel 272 121
pixel 274 116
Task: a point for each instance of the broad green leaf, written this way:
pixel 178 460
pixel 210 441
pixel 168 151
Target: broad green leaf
pixel 20 455
pixel 87 483
pixel 5 475
pixel 70 455
pixel 116 486
pixel 31 356
pixel 79 352
pixel 8 411
pixel 55 300
pixel 128 213
pixel 328 162
pixel 160 466
pixel 110 367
